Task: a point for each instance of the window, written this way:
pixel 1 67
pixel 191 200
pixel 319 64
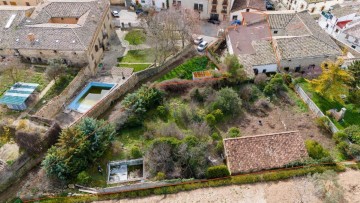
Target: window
pixel 142 1
pixel 322 8
pixel 92 57
pixel 264 71
pixel 55 51
pixel 201 7
pixel 327 25
pixel 5 3
pixel 312 10
pixel 275 31
pixel 353 46
pixel 234 17
pixel 286 69
pixel 74 53
pixel 196 6
pixel 27 3
pixel 41 52
pixel 302 6
pixel 347 36
pixel 179 3
pixel 337 30
pixel 39 59
pixel 247 10
pixel 96 48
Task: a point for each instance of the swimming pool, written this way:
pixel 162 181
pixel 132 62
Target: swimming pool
pixel 90 95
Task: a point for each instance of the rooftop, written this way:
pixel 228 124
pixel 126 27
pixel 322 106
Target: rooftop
pixel 259 152
pixel 243 4
pixel 341 11
pixel 354 31
pixel 55 25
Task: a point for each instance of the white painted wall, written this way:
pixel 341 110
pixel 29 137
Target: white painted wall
pixel 267 68
pixel 189 4
pixel 301 5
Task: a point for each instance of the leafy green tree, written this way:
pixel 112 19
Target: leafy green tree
pixel 234 67
pixel 354 69
pixel 315 150
pixel 216 136
pixel 78 147
pixel 228 101
pixel 333 83
pixel 218 114
pixel 275 85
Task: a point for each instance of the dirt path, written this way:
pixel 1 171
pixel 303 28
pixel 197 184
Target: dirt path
pixel 293 190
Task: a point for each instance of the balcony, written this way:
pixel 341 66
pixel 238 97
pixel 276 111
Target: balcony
pixel 225 3
pixel 223 11
pixel 215 2
pixel 213 10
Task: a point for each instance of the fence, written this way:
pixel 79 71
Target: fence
pixel 314 108
pixel 141 76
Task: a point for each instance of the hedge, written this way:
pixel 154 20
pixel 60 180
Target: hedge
pixel 231 180
pixel 217 172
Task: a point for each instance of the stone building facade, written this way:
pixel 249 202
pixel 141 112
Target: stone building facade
pixel 76 31
pixel 20 2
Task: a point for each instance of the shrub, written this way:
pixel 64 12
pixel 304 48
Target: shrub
pixel 234 132
pixel 220 147
pixel 275 85
pixel 353 133
pixel 343 148
pixel 323 123
pixel 160 176
pixel 260 80
pixel 210 120
pixel 83 178
pixel 217 172
pixel 197 96
pixel 218 115
pixel 215 136
pixel 22 125
pixel 339 136
pixel 228 101
pixel 315 150
pixel 354 150
pixel 135 152
pixel 161 111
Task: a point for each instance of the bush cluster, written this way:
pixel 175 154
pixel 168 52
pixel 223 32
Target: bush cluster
pixel 348 141
pixel 217 172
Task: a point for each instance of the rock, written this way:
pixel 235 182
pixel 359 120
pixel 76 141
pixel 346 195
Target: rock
pixel 71 186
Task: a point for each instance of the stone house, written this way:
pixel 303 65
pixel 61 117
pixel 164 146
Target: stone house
pixel 313 6
pixel 76 31
pixel 20 2
pixel 261 152
pixel 343 24
pixel 280 41
pixel 241 6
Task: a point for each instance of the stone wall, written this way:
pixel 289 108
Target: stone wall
pixel 51 109
pixel 135 79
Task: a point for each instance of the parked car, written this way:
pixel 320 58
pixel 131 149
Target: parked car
pixel 217 22
pixel 198 40
pixel 116 14
pixel 269 6
pixel 202 46
pixel 138 11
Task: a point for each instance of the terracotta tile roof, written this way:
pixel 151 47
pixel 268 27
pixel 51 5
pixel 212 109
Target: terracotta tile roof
pixel 254 153
pixel 243 4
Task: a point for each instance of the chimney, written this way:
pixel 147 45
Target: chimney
pixel 31 37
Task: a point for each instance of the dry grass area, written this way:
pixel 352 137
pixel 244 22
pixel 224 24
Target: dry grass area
pixel 293 190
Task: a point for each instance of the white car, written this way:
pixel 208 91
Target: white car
pixel 198 40
pixel 115 13
pixel 202 46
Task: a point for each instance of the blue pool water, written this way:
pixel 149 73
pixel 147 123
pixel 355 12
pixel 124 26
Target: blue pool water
pixel 90 95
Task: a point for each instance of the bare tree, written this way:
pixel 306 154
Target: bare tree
pixel 166 28
pixel 11 66
pixel 56 68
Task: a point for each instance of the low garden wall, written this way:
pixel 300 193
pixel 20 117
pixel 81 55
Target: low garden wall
pixel 30 158
pixel 314 108
pixel 135 79
pixel 51 109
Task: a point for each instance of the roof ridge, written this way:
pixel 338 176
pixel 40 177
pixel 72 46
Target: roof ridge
pixel 262 135
pixel 81 42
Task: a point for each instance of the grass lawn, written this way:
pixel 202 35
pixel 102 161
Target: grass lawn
pixel 352 116
pixel 184 71
pixel 27 75
pixel 136 67
pixel 135 37
pixel 138 56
